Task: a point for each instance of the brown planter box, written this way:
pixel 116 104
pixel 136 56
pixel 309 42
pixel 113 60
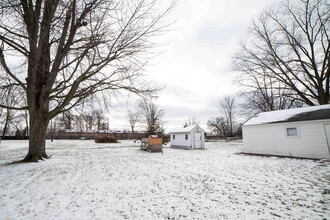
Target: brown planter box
pixel 155 144
pixel 155 148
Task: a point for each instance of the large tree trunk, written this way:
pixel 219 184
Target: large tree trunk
pixel 37 139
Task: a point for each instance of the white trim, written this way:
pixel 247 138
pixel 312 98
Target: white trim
pixel 326 136
pixel 292 136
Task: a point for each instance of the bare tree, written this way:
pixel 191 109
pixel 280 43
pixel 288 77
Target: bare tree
pixel 133 118
pixel 7 120
pixel 225 125
pixel 66 120
pixel 89 120
pixel 91 112
pixel 69 50
pixel 99 119
pixel 79 122
pixel 254 102
pixel 10 98
pixel 191 121
pixel 18 121
pixel 218 125
pixel 288 47
pixel 12 119
pixel 228 109
pixel 261 94
pixel 25 116
pixel 151 116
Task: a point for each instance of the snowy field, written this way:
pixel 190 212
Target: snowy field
pixel 84 180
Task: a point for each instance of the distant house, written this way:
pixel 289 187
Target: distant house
pixel 302 132
pixel 190 137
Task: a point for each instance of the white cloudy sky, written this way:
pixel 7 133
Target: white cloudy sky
pixel 195 65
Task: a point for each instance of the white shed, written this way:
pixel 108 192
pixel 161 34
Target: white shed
pixel 190 137
pixel 302 132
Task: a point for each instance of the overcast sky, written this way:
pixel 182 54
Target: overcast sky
pixel 195 65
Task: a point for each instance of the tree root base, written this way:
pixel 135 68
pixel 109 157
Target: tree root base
pixel 35 158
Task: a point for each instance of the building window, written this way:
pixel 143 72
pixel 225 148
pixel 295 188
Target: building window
pixel 291 132
pixel 173 136
pixel 186 137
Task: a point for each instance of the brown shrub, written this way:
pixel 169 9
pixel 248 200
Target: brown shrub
pixel 106 139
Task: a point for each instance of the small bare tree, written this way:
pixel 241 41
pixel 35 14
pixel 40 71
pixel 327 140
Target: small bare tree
pixel 99 119
pixel 191 121
pixel 69 50
pixel 66 120
pixel 133 118
pixel 11 98
pixel 151 116
pixel 225 125
pixel 218 125
pixel 79 122
pixel 228 109
pixel 89 120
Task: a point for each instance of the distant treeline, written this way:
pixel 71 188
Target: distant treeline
pixel 119 136
pixel 93 135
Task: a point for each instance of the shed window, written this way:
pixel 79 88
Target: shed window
pixel 186 137
pixel 291 132
pixel 173 136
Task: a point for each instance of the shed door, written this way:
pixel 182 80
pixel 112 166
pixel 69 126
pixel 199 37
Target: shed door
pixel 327 133
pixel 198 140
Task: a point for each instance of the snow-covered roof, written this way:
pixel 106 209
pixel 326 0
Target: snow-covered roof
pixel 290 115
pixel 186 129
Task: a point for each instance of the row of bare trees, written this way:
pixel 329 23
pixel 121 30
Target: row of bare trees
pixel 15 123
pixel 147 114
pixel 93 120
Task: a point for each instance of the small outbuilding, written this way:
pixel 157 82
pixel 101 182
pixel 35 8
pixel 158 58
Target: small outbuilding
pixel 301 132
pixel 190 137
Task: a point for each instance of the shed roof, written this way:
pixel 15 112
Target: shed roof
pixel 186 129
pixel 291 115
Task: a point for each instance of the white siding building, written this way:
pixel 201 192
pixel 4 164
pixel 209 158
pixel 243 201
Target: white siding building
pixel 302 132
pixel 190 137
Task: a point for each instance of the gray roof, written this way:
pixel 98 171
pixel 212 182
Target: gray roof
pixel 308 116
pixel 320 112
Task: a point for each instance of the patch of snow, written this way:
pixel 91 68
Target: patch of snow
pixel 281 115
pixel 85 180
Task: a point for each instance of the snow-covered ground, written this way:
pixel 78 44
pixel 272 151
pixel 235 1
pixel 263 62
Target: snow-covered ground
pixel 84 180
